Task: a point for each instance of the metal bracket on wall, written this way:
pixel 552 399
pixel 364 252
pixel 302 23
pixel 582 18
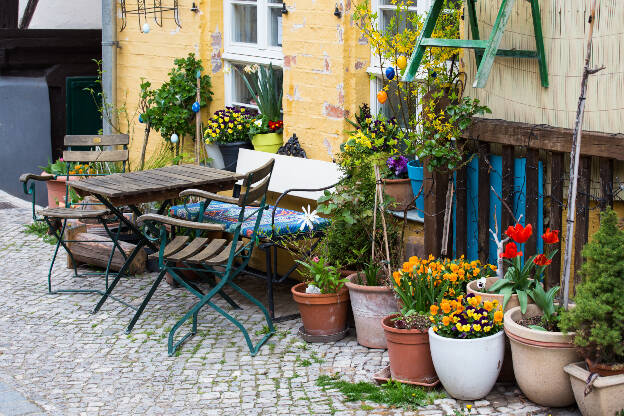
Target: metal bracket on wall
pixel 157 10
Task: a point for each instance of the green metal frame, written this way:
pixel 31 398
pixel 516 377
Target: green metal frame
pixel 485 50
pixel 237 262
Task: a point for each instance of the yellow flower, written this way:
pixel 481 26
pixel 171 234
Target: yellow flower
pixel 446 306
pixel 498 316
pixel 488 306
pixel 476 327
pixel 446 320
pixel 487 328
pixel 433 309
pixel 435 328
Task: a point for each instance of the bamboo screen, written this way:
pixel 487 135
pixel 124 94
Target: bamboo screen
pixel 514 91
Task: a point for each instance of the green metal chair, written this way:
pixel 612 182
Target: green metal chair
pixel 89 150
pixel 213 256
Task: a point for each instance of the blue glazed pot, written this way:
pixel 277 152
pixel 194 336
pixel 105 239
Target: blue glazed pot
pixel 415 173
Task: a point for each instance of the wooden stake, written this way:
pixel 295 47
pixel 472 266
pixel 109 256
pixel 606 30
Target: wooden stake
pixel 383 218
pixel 143 149
pixel 447 216
pixel 198 123
pixel 574 159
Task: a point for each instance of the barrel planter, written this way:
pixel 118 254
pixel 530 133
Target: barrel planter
pixel 370 304
pixel 268 142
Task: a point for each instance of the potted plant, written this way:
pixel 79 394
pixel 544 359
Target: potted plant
pixel 372 299
pixel 323 300
pixel 264 86
pixel 418 285
pixel 598 323
pixel 229 128
pixel 396 183
pixel 57 187
pixel 467 345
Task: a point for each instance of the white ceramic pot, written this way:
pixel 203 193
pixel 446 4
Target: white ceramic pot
pixel 213 152
pixel 467 368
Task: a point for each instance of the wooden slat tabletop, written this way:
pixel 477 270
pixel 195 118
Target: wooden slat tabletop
pixel 167 179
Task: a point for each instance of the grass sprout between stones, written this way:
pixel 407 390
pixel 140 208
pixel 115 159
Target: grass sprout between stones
pixel 40 229
pixel 391 393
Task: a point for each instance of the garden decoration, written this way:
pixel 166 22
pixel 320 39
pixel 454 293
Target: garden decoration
pixel 598 383
pixel 266 131
pixel 467 345
pixel 382 97
pixel 485 51
pixel 229 128
pixel 156 11
pixel 322 301
pixel 56 217
pixel 390 72
pixel 215 256
pixel 372 299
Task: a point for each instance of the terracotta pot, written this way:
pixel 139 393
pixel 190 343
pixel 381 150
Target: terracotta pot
pixel 400 190
pixel 322 314
pixel 604 370
pixel 507 373
pixel 539 358
pixel 57 191
pixel 370 304
pixel 468 368
pixel 606 396
pixel 409 353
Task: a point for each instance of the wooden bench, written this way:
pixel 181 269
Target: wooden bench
pixel 292 176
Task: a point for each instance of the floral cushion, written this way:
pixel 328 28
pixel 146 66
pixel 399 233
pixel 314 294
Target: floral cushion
pixel 286 221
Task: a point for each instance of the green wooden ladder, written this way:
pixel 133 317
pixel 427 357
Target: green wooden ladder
pixel 485 50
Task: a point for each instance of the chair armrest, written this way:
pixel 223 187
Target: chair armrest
pixel 25 177
pixel 214 197
pixel 163 219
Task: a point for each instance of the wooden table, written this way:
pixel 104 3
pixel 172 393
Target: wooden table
pixel 163 184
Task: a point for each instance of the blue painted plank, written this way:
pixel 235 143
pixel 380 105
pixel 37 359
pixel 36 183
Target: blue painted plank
pixel 520 193
pixel 496 182
pixel 472 209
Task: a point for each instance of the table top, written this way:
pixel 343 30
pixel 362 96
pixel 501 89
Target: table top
pixel 167 180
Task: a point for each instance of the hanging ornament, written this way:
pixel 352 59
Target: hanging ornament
pixel 198 74
pixel 174 138
pixel 195 107
pixel 389 72
pixel 146 28
pixel 140 118
pixel 402 62
pixel 382 96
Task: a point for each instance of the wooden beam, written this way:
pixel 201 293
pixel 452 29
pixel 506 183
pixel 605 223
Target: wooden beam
pixel 554 139
pixel 461 213
pixel 556 203
pixel 28 14
pixel 9 14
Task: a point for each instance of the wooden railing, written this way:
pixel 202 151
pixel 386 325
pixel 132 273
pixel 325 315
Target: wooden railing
pixel 506 177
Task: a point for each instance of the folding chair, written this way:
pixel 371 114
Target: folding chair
pixel 215 256
pixel 57 217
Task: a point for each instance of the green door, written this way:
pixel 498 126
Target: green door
pixel 82 107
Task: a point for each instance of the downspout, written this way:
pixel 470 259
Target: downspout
pixel 109 62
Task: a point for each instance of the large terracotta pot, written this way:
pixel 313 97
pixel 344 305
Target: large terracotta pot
pixel 539 358
pixel 322 314
pixel 606 396
pixel 57 190
pixel 409 353
pixel 467 368
pixel 507 373
pixel 400 190
pixel 370 304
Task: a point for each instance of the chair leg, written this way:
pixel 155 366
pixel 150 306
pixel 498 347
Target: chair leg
pixel 269 279
pixel 139 311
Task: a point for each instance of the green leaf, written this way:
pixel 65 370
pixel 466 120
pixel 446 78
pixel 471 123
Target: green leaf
pixel 538 328
pixel 523 300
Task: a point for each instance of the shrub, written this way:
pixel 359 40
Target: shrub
pixel 598 318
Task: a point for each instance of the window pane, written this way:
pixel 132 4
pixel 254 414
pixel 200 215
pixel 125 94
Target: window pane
pixel 245 23
pixel 402 21
pixel 240 93
pixel 276 26
pixel 399 107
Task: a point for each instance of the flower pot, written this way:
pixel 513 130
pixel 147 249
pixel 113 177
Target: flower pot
pixel 409 353
pixel 606 396
pixel 57 190
pixel 539 358
pixel 268 142
pixel 604 370
pixel 370 304
pixel 229 151
pixel 415 174
pixel 400 190
pixel 467 368
pixel 214 153
pixel 507 373
pixel 322 314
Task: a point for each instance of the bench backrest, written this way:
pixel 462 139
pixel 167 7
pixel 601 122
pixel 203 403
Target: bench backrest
pixel 96 143
pixel 291 172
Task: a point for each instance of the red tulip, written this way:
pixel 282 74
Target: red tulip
pixel 541 260
pixel 519 233
pixel 551 237
pixel 511 251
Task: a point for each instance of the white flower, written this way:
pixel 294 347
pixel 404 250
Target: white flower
pixel 247 69
pixel 312 289
pixel 309 218
pixel 258 122
pixel 481 283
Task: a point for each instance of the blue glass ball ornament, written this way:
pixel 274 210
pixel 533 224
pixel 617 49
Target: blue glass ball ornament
pixel 174 138
pixel 141 118
pixel 195 107
pixel 390 72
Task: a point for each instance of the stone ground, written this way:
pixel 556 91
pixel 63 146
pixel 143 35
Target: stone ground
pixel 57 358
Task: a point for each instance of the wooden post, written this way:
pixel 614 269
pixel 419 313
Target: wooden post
pixel 460 213
pixel 507 188
pixel 198 121
pixel 556 201
pixel 606 183
pixel 582 216
pixel 532 160
pixel 144 147
pixel 575 154
pixel 434 186
pixel 484 203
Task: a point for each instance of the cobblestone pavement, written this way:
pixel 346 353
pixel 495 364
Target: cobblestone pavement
pixel 57 358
